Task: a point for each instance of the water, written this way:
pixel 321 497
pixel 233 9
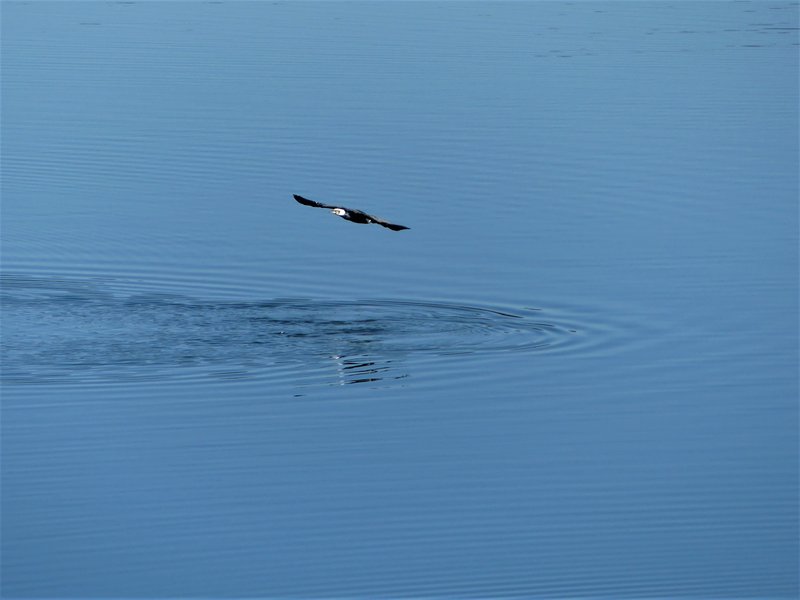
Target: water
pixel 574 376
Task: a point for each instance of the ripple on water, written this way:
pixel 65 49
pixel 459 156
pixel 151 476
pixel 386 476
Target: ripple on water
pixel 83 332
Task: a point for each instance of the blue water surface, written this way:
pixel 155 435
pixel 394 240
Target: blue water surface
pixel 574 376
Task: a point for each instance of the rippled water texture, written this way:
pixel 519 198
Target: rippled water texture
pixel 574 376
pixel 77 331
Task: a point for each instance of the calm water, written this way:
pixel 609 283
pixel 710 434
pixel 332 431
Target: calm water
pixel 574 376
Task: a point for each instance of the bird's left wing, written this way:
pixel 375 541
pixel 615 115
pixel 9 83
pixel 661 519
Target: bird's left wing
pixel 308 202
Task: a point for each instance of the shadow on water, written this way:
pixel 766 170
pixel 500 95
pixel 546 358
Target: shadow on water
pixel 63 330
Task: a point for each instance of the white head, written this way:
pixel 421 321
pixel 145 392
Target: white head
pixel 339 212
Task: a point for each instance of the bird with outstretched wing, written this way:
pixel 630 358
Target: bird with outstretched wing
pixel 350 214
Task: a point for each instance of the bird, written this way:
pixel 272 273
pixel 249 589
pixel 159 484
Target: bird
pixel 350 214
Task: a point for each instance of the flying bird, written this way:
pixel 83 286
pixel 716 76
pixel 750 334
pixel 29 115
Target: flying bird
pixel 350 214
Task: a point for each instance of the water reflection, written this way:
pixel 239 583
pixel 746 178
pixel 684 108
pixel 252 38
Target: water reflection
pixel 62 330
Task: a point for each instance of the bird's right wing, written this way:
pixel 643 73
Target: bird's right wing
pixel 308 202
pixel 388 225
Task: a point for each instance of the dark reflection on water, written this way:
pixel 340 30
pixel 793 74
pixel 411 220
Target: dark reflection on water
pixel 72 330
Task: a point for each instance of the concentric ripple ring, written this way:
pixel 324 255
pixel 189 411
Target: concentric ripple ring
pixel 59 329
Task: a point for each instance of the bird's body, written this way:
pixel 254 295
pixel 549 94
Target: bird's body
pixel 350 214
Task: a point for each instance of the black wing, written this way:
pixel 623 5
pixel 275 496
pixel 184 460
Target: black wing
pixel 308 202
pixel 391 226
